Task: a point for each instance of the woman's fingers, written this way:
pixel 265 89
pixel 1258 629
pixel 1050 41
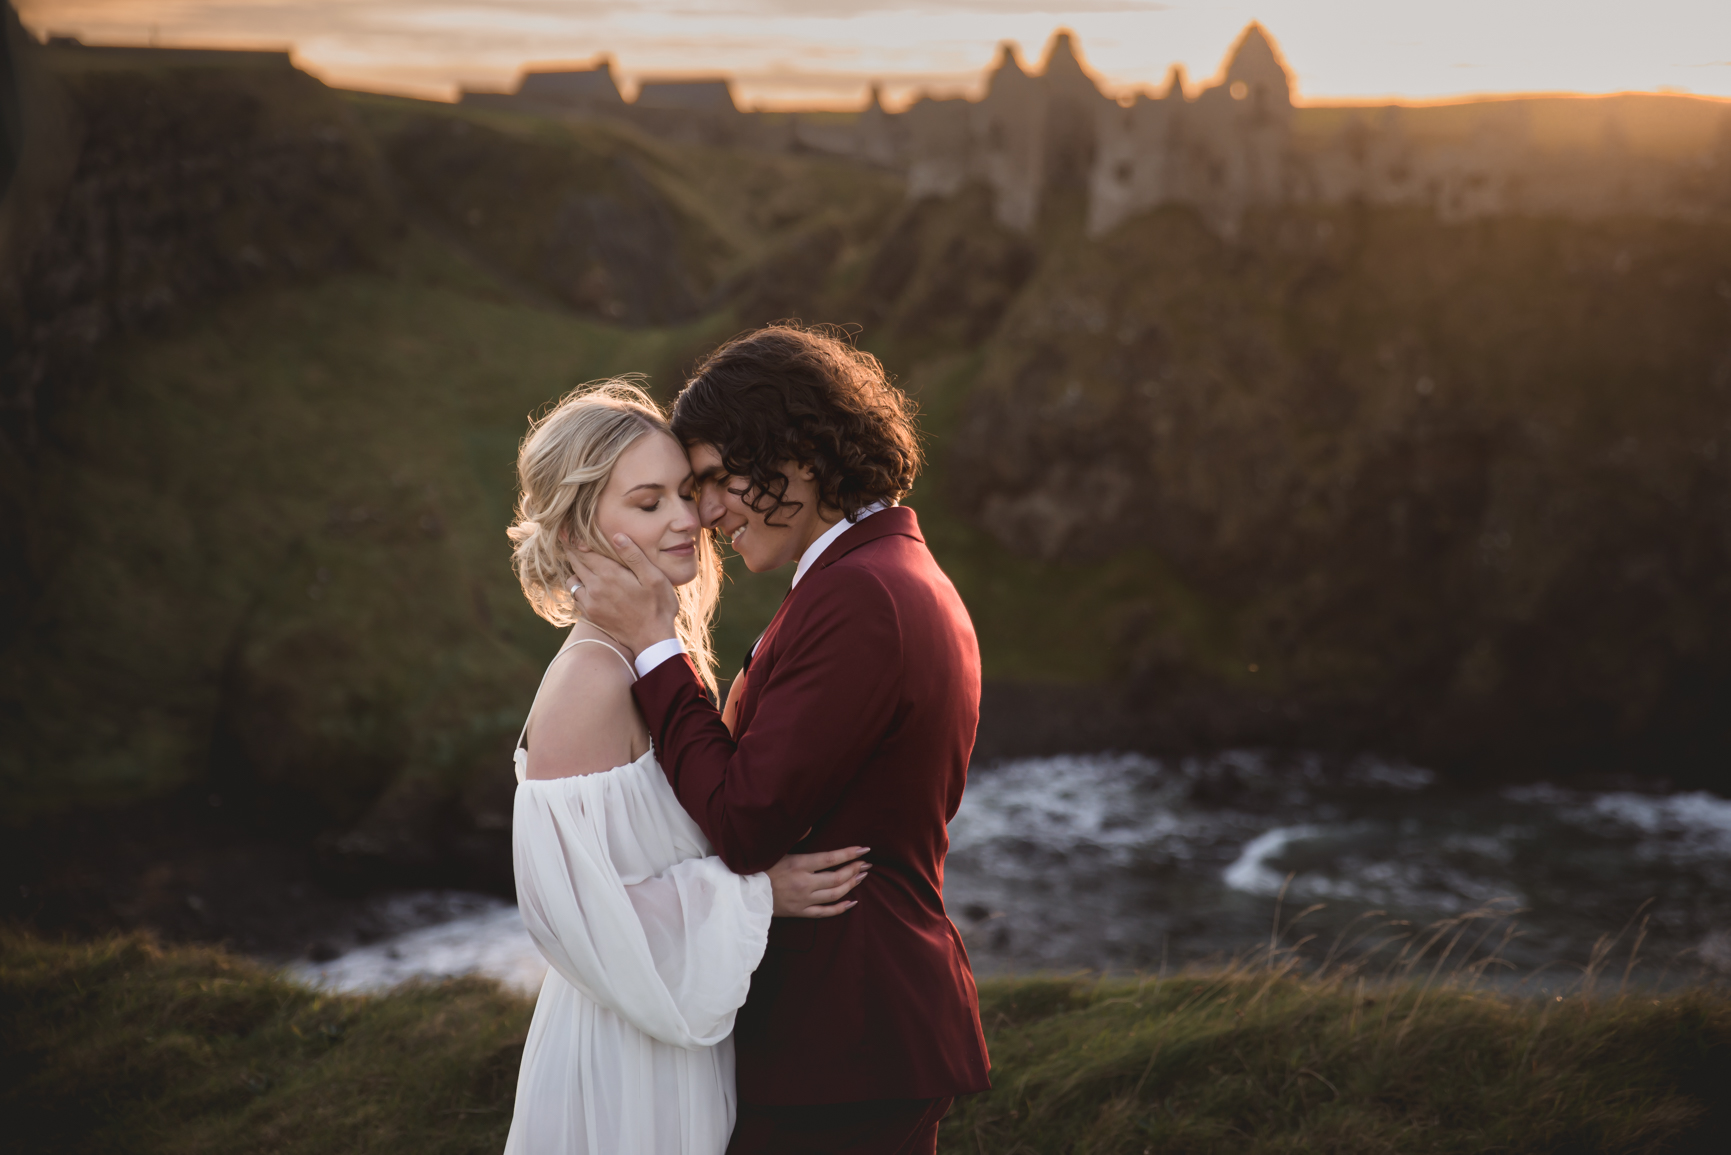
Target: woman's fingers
pixel 837 882
pixel 815 885
pixel 830 893
pixel 840 874
pixel 826 859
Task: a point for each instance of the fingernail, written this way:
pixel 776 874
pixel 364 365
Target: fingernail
pixel 620 539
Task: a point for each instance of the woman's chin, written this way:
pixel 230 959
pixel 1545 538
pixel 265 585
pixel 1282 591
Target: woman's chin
pixel 680 571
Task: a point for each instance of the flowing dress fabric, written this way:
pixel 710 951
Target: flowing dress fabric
pixel 650 943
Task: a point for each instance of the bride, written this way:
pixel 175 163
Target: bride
pixel 650 940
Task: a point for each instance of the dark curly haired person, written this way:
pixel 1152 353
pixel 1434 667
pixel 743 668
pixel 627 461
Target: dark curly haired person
pixel 847 731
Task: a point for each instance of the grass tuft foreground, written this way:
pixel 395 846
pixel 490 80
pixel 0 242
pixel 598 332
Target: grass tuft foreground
pixel 124 1045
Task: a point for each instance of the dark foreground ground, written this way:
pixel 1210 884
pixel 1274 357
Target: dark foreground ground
pixel 123 1045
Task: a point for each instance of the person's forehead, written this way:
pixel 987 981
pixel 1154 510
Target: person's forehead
pixel 705 458
pixel 652 455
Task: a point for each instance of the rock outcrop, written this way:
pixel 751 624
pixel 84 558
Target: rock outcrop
pixel 1456 491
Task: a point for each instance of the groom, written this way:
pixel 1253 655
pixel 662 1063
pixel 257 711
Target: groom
pixel 855 717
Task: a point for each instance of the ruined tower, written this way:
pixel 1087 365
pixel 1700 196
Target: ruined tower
pixel 1137 155
pixel 1224 152
pixel 1009 140
pixel 1246 121
pixel 1074 104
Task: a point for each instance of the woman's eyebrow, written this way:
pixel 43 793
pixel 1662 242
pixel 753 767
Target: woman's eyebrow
pixel 644 485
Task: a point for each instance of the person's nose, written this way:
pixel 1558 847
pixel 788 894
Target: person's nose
pixel 709 506
pixel 684 518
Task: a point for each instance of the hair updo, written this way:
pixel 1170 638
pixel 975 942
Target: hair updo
pixel 563 465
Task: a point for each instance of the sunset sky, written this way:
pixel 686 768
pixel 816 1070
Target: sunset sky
pixel 823 53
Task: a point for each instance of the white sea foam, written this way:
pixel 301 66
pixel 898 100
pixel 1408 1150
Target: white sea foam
pixel 1251 873
pixel 1673 828
pixel 1096 859
pixel 1069 822
pixel 489 941
pixel 1681 827
pixel 1111 803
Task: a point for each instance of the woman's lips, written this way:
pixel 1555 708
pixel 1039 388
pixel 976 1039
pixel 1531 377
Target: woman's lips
pixel 733 539
pixel 681 550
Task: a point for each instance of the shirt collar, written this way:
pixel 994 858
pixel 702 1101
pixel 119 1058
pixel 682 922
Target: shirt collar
pixel 816 548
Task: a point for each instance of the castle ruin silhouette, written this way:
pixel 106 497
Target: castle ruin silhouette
pixel 1039 138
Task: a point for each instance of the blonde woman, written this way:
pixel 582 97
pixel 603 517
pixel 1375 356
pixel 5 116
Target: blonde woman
pixel 650 939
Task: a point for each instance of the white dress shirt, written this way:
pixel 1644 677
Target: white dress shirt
pixel 653 656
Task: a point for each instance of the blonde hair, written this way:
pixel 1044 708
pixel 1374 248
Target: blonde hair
pixel 563 465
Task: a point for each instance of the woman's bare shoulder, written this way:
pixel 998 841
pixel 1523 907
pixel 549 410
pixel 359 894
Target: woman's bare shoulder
pixel 586 721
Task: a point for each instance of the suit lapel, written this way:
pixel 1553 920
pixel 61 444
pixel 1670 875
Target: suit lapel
pixel 755 669
pixel 885 523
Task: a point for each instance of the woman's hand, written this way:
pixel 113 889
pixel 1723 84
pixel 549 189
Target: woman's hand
pixel 813 885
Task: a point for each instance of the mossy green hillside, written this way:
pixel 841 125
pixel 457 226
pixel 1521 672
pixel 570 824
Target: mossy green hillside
pixel 604 221
pixel 274 546
pixel 121 1045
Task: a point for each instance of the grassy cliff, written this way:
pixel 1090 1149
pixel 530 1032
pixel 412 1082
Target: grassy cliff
pixel 1460 490
pixel 121 1045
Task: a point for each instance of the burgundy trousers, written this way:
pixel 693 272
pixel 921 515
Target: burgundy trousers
pixel 874 1127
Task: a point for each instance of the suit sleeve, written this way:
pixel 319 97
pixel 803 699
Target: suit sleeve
pixel 822 710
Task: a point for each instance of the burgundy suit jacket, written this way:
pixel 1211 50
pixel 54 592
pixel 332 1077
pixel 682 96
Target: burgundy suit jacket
pixel 856 722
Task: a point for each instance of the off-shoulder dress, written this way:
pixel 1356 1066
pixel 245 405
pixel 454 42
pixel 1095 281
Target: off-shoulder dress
pixel 650 943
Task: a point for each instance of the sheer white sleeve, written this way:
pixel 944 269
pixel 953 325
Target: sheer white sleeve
pixel 671 952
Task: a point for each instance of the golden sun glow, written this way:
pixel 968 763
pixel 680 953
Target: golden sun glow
pixel 824 53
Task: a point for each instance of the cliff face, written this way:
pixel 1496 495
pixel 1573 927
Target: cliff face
pixel 178 183
pixel 146 189
pixel 1461 490
pixel 576 215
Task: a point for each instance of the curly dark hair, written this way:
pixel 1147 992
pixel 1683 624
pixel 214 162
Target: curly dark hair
pixel 788 393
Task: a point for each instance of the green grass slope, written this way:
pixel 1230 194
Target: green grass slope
pixel 123 1046
pixel 275 545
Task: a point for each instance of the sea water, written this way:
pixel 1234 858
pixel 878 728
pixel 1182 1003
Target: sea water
pixel 1125 863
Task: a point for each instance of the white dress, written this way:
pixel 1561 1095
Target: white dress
pixel 650 943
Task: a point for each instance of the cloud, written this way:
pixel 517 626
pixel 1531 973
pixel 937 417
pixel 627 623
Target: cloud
pixel 842 9
pixel 333 15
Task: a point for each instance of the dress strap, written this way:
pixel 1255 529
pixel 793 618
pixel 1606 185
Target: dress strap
pixel 598 642
pixel 519 756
